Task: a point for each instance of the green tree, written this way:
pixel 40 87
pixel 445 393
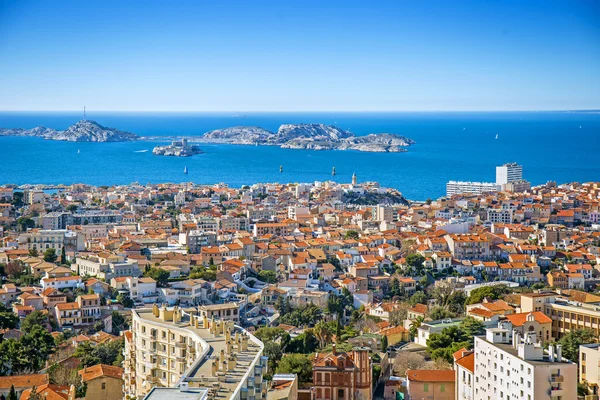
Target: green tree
pixel 33 252
pixel 384 343
pixel 63 255
pixel 418 298
pixel 351 234
pixel 440 312
pixel 36 318
pixel 267 276
pixel 161 276
pixel 395 287
pixel 415 261
pixel 298 364
pixel 12 395
pixel 118 322
pixel 415 325
pixel 125 300
pixel 204 274
pixel 493 292
pixel 36 346
pixel 301 316
pixel 274 352
pixel 304 343
pixel 25 223
pixel 72 207
pixel 8 319
pixel 571 341
pixel 50 255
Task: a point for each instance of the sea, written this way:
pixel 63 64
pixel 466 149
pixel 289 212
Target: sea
pixel 551 146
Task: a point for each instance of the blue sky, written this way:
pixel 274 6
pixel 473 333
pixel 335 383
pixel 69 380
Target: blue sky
pixel 299 56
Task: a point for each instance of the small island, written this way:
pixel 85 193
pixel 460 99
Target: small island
pixel 309 136
pixel 177 148
pixel 82 131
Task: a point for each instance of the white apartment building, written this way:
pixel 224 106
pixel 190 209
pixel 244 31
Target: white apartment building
pixel 510 366
pixel 176 349
pixel 510 172
pixel 461 187
pixel 500 216
pixel 42 239
pixel 589 366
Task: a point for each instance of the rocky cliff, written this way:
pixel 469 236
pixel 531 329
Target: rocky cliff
pixel 82 131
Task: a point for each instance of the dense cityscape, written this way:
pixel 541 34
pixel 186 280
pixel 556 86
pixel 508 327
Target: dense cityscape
pixel 317 290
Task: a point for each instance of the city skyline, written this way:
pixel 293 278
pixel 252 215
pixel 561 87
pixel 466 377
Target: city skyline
pixel 470 56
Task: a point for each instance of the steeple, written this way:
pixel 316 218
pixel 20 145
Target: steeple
pixel 354 179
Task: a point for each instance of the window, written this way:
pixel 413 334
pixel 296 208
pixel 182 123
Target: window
pixel 426 387
pixel 103 385
pixel 442 387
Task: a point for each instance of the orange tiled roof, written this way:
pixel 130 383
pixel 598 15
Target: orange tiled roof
pixel 520 318
pixel 467 362
pixel 430 375
pixel 100 370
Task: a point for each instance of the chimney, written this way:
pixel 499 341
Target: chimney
pixel 558 353
pixel 333 349
pixel 551 352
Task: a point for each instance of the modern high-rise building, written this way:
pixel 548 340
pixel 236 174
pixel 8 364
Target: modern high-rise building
pixel 172 352
pixel 461 187
pixel 510 172
pixel 509 365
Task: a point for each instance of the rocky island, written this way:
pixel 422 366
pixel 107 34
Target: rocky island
pixel 288 136
pixel 82 131
pixel 308 136
pixel 178 148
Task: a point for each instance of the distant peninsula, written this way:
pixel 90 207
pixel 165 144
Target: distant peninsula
pixel 82 131
pixel 308 136
pixel 288 136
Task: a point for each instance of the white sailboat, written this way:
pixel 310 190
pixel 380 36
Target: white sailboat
pixel 496 136
pixel 185 170
pixel 78 151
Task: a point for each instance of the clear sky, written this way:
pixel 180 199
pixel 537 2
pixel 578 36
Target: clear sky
pixel 308 55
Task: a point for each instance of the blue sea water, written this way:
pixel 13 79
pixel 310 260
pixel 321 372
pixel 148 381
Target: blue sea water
pixel 559 146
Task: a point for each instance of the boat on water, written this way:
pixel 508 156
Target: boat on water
pixel 496 136
pixel 281 168
pixel 140 151
pixel 185 170
pixel 333 171
pixel 78 151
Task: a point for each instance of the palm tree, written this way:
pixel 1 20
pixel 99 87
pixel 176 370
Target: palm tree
pixel 323 332
pixel 414 325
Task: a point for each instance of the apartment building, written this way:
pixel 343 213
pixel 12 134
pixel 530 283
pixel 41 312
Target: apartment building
pixel 460 187
pixel 566 314
pixel 171 350
pixel 60 220
pixel 469 246
pixel 510 366
pixel 510 172
pixel 42 239
pixel 343 375
pixel 271 228
pixel 225 311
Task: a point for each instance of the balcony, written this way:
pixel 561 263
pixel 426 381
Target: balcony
pixel 555 378
pixel 556 392
pixel 180 345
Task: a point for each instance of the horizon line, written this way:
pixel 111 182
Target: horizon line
pixel 305 111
